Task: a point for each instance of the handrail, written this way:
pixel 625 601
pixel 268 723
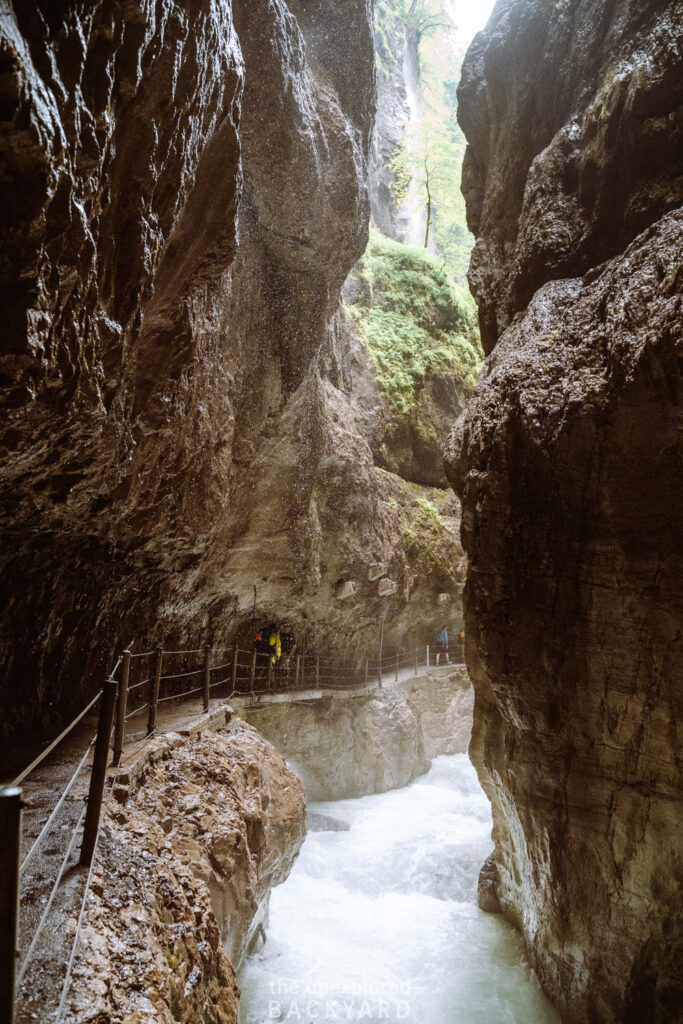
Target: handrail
pixel 246 672
pixel 59 803
pixel 48 750
pixel 198 651
pixel 41 923
pixel 180 675
pixel 177 696
pixel 136 686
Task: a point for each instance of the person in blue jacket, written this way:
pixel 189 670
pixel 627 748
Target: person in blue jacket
pixel 442 644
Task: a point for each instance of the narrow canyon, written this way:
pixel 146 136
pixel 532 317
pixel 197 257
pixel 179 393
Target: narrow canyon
pixel 341 378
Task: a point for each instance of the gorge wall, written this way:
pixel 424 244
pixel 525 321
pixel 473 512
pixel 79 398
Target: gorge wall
pixel 569 465
pixel 346 747
pixel 184 192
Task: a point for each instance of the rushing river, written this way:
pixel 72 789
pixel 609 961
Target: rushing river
pixel 380 921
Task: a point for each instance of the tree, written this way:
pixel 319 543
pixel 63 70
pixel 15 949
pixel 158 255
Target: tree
pixel 420 16
pixel 429 161
pixel 427 167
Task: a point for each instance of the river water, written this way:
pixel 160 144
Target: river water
pixel 380 921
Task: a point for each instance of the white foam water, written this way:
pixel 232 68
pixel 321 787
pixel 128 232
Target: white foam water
pixel 380 922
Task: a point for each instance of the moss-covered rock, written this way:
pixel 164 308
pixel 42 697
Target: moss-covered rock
pixel 419 342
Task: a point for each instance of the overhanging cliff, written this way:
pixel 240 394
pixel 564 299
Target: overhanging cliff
pixel 568 462
pixel 184 192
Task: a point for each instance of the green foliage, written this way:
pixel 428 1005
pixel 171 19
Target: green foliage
pixel 386 20
pixel 428 164
pixel 418 322
pixel 422 16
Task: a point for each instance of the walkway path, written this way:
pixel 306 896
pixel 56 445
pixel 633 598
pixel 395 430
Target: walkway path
pixel 39 991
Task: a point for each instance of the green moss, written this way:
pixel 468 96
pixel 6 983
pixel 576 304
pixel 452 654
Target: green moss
pixel 428 529
pixel 418 323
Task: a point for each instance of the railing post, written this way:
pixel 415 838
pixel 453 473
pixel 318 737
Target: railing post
pixel 317 671
pixel 121 706
pixel 10 856
pixel 297 671
pixel 233 683
pixel 207 677
pixel 270 674
pixel 303 667
pixel 98 772
pixel 396 666
pixel 367 665
pixel 253 672
pixel 416 661
pixel 427 657
pixel 154 695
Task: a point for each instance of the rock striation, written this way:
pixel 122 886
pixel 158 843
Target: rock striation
pixel 393 112
pixel 568 462
pixel 187 858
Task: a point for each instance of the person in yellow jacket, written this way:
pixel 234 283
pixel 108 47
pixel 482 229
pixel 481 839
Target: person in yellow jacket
pixel 275 644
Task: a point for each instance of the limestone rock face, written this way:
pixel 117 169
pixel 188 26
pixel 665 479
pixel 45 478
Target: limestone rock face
pixel 568 463
pixel 572 117
pixel 174 243
pixel 344 748
pixel 392 114
pixel 184 194
pixel 408 445
pixel 184 873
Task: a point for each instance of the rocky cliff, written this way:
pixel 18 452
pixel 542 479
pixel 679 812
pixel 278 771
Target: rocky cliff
pixel 184 191
pixel 568 462
pixel 346 747
pixel 392 114
pixel 414 356
pixel 189 853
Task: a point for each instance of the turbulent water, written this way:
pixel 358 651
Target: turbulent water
pixel 380 922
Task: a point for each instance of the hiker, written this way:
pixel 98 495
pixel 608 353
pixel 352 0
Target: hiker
pixel 442 644
pixel 274 644
pixel 462 643
pixel 262 649
pixel 289 644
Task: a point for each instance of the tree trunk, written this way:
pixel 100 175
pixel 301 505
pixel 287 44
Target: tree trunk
pixel 429 210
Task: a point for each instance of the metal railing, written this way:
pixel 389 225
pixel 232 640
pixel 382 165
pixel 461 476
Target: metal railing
pixel 147 680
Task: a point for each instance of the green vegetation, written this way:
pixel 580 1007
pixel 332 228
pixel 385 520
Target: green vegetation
pixel 428 162
pixel 416 322
pixel 429 528
pixel 386 19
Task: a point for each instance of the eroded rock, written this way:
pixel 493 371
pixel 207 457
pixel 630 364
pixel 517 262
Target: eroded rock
pixel 568 462
pixel 349 747
pixel 185 193
pixel 184 880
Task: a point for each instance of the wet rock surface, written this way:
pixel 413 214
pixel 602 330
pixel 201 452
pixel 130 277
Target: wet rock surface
pixel 345 747
pixel 185 866
pixel 184 194
pixel 568 463
pixel 574 130
pixel 392 114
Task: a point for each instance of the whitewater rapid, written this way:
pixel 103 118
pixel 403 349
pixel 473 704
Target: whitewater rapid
pixel 380 921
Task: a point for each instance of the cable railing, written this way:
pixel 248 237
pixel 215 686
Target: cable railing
pixel 14 878
pixel 166 677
